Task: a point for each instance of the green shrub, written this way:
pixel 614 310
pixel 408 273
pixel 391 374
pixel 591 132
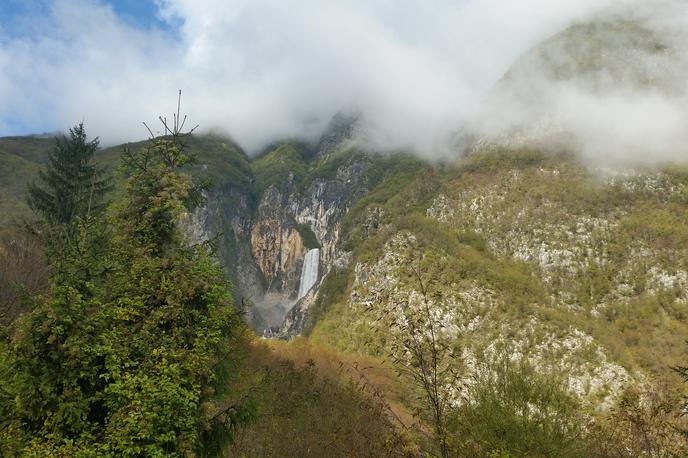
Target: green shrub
pixel 309 239
pixel 513 409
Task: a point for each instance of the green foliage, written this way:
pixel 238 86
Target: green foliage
pixel 665 227
pixel 123 357
pixel 33 148
pixel 283 166
pixel 72 185
pixel 71 192
pixel 415 343
pixel 309 239
pixel 394 165
pixel 398 184
pixel 326 167
pixel 503 159
pixel 15 173
pixel 512 410
pixel 331 291
pixel 22 272
pixel 455 259
pixel 157 195
pixel 218 160
pixel 647 421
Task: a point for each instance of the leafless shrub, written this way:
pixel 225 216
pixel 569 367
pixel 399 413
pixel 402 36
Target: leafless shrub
pixel 22 271
pixel 646 423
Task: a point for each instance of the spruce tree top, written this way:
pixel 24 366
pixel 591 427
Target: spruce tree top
pixel 72 185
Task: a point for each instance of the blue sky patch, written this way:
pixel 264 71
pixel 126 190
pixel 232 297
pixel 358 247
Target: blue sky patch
pixel 138 13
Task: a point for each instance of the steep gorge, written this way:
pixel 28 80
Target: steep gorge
pixel 295 208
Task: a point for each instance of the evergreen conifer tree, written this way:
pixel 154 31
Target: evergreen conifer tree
pixel 72 185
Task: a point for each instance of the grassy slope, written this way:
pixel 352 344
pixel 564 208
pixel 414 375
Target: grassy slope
pixel 15 174
pixel 31 148
pixel 312 401
pixel 608 240
pixel 280 166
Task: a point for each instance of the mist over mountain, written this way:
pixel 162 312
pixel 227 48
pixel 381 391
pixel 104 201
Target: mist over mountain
pixel 417 73
pixel 613 89
pixel 404 229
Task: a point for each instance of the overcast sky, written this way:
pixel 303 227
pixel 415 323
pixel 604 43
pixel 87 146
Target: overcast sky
pixel 264 69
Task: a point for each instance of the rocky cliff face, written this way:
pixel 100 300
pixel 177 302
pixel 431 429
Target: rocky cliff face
pixel 264 234
pixel 325 203
pixel 579 273
pixel 470 317
pixel 323 208
pixel 276 244
pixel 225 221
pixel 277 241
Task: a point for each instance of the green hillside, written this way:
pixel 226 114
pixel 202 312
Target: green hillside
pixel 220 162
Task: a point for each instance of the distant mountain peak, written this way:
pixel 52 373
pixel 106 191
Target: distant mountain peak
pixel 342 129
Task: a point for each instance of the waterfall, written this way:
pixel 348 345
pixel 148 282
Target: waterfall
pixel 309 273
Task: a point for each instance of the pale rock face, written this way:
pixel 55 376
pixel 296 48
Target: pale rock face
pixel 278 249
pixel 566 245
pixel 321 207
pixel 663 280
pixel 553 247
pixel 324 204
pixel 632 181
pixel 295 319
pixel 319 215
pixel 468 316
pixel 195 225
pixel 276 246
pixel 563 244
pixel 225 219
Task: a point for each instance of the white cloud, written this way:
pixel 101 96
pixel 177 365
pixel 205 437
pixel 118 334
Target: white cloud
pixel 264 69
pixel 617 93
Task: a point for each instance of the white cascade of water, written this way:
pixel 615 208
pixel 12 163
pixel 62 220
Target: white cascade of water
pixel 309 273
